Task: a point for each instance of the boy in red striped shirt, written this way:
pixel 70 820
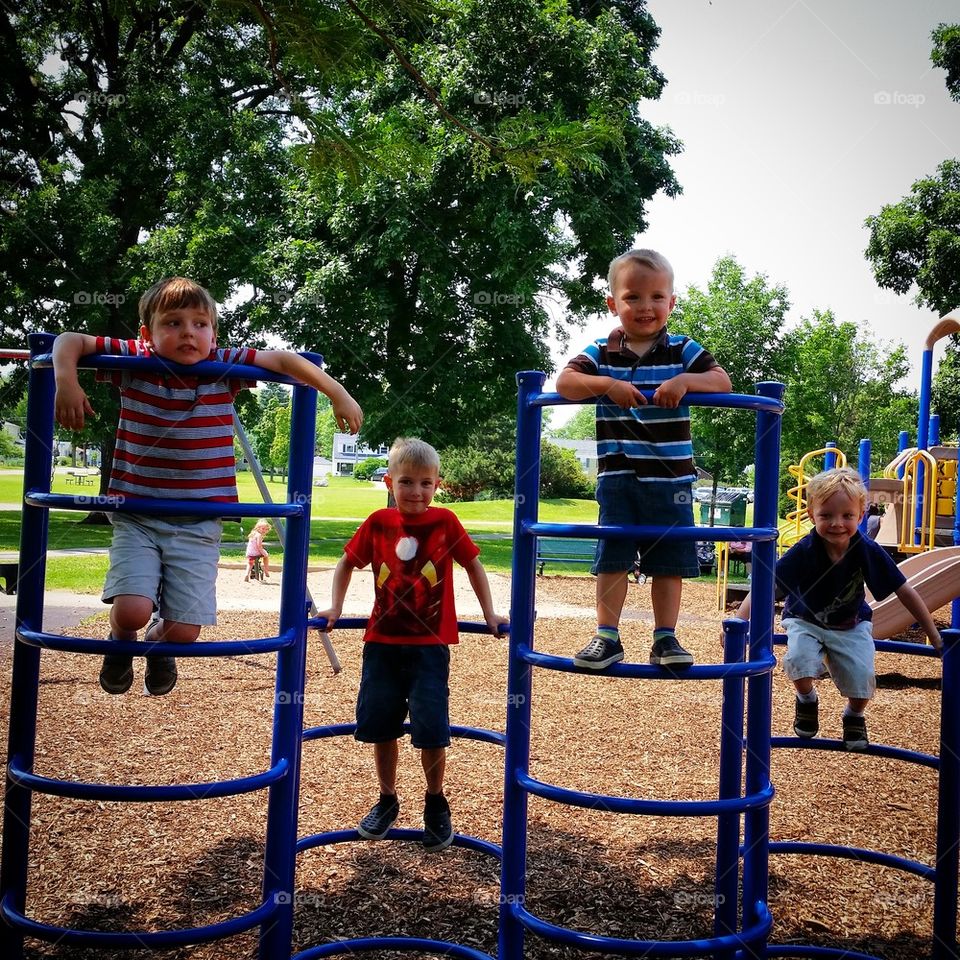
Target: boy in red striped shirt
pixel 174 441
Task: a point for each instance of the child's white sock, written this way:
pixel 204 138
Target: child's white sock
pixel 848 711
pixel 810 697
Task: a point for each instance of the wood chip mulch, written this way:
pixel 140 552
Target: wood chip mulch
pixel 154 866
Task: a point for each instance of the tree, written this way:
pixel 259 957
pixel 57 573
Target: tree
pixel 842 386
pixel 917 241
pixel 581 426
pixel 946 55
pixel 739 320
pixel 425 290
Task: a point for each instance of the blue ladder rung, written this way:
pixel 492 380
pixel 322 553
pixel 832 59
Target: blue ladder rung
pixel 136 648
pixel 85 790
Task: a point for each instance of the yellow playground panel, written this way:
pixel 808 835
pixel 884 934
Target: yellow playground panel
pixel 936 483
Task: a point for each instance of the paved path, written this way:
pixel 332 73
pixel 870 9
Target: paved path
pixel 64 609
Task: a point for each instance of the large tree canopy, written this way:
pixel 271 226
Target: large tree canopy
pixel 426 291
pixel 395 186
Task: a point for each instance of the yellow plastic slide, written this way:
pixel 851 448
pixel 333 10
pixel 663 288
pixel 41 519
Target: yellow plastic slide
pixel 935 575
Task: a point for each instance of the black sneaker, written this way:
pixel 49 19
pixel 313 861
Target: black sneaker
pixel 437 828
pixel 160 676
pixel 116 674
pixel 667 652
pixel 376 824
pixel 599 653
pixel 806 719
pixel 855 733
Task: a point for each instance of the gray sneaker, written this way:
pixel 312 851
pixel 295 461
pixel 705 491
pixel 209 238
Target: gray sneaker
pixel 116 673
pixel 437 825
pixel 806 719
pixel 599 654
pixel 667 652
pixel 377 823
pixel 855 733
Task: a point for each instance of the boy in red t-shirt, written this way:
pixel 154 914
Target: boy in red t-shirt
pixel 406 652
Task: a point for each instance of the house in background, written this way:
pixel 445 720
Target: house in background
pixel 348 451
pixel 584 450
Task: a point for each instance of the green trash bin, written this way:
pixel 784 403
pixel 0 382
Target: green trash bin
pixel 729 510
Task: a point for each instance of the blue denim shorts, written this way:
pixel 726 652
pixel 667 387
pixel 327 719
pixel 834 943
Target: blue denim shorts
pixel 626 501
pixel 401 677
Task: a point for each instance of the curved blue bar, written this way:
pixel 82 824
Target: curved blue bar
pixel 830 953
pixel 363 944
pixel 660 808
pixel 466 733
pixel 647 948
pixel 736 401
pixel 214 369
pixel 874 750
pixel 360 623
pixel 349 836
pixel 881 646
pixel 139 938
pixel 81 790
pixel 136 648
pixel 646 671
pixel 593 531
pixel 162 508
pixel 854 853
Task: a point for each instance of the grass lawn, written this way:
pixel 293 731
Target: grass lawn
pixel 341 505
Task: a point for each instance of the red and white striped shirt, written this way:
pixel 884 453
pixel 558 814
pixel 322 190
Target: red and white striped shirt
pixel 175 435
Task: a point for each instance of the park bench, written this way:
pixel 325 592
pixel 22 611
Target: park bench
pixel 564 550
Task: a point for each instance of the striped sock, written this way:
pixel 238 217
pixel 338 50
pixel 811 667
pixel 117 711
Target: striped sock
pixel 662 632
pixel 608 633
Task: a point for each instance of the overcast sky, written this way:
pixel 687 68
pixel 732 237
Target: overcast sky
pixel 799 118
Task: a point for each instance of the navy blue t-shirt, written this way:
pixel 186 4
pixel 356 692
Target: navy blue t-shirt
pixel 829 594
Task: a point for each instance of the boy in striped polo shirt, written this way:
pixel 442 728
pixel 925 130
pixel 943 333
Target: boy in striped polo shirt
pixel 174 441
pixel 646 456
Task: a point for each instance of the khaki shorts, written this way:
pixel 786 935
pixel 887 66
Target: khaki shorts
pixel 171 561
pixel 846 655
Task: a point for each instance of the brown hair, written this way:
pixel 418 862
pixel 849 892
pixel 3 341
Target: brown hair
pixel 175 293
pixel 647 258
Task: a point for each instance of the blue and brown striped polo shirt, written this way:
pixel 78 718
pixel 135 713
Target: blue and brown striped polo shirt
pixel 651 442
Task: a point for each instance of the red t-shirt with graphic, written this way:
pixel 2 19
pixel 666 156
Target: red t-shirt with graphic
pixel 412 558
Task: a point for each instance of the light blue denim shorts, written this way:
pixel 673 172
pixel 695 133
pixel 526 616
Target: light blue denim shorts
pixel 626 501
pixel 170 560
pixel 846 655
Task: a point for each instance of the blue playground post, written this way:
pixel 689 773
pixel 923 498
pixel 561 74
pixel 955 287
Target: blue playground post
pixel 863 468
pixel 903 441
pixel 830 458
pixel 933 435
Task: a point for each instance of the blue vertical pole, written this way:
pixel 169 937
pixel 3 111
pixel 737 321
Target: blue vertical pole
pixel 923 436
pixel 517 753
pixel 756 830
pixel 38 463
pixel 933 434
pixel 903 441
pixel 955 606
pixel 726 884
pixel 830 459
pixel 863 468
pixel 948 806
pixel 279 862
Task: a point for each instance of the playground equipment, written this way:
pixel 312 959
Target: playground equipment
pixel 742 918
pixel 935 575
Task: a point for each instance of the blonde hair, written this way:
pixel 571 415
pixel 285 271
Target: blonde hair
pixel 257 525
pixel 647 258
pixel 412 452
pixel 175 293
pixel 844 480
